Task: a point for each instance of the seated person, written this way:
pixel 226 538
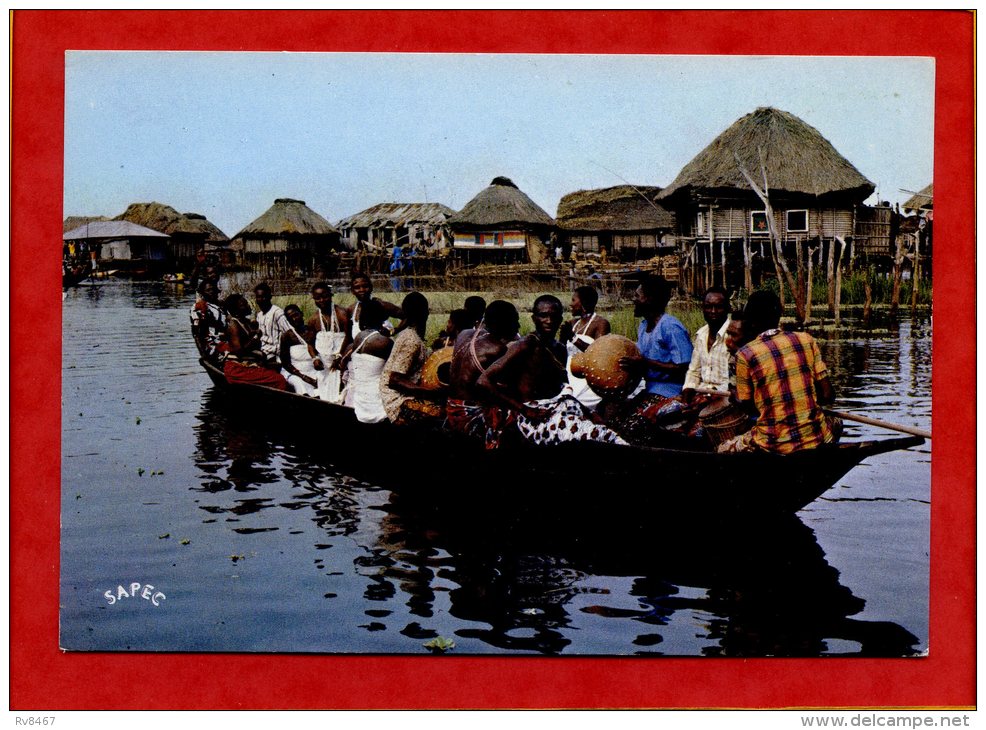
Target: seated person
pixel 475 350
pixel 209 322
pixel 476 306
pixel 782 379
pixel 458 320
pixel 528 380
pixel 244 359
pixel 365 359
pixel 271 323
pixel 580 332
pixel 297 353
pixel 362 288
pixel 709 367
pixel 329 328
pixel 404 399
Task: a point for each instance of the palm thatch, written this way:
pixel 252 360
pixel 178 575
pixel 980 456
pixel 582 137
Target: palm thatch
pixel 288 218
pixel 398 215
pixel 922 200
pixel 75 221
pixel 619 208
pixel 500 205
pixel 166 219
pixel 797 158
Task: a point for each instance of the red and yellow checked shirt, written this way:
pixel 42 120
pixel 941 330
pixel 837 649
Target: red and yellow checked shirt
pixel 778 371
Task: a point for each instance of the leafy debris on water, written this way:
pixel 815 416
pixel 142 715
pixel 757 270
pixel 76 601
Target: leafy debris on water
pixel 140 471
pixel 439 644
pixel 138 420
pixel 165 536
pixel 184 541
pixel 234 558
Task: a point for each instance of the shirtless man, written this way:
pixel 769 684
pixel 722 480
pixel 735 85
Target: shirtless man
pixel 475 350
pixel 362 288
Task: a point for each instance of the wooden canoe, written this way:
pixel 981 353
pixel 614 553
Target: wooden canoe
pixel 650 478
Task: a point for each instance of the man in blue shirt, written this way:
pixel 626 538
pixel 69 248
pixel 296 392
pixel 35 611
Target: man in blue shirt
pixel 664 344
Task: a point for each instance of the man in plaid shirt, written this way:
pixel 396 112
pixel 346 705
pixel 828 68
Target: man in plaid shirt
pixel 781 377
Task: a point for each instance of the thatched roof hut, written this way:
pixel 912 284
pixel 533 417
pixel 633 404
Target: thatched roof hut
pixel 76 221
pixel 797 158
pixel 166 219
pixel 502 205
pixel 619 208
pixel 398 215
pixel 922 200
pixel 288 219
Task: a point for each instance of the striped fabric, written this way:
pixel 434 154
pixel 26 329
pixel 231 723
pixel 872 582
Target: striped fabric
pixel 778 371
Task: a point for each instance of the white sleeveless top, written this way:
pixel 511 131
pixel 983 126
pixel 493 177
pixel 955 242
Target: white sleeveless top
pixel 580 388
pixel 364 384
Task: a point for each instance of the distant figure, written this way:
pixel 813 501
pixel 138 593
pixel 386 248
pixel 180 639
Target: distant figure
pixel 366 358
pixel 781 377
pixel 666 348
pixel 709 367
pixel 271 322
pixel 580 332
pixel 245 362
pixel 476 306
pixel 404 399
pixel 209 321
pixel 297 354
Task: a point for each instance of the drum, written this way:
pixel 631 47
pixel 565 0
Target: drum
pixel 722 420
pixel 435 371
pixel 600 366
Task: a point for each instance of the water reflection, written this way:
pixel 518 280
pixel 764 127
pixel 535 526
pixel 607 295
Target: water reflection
pixel 522 581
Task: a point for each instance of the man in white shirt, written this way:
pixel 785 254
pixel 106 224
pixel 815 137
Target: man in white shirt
pixel 709 368
pixel 271 322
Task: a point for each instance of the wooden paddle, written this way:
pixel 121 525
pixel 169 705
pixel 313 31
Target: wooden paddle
pixel 912 430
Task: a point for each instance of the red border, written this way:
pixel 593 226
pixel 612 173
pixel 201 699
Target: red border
pixel 44 678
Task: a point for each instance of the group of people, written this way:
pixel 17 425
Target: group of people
pixel 501 386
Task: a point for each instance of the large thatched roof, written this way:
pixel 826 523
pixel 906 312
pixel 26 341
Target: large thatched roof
pixel 502 204
pixel 398 214
pixel 288 218
pixel 620 208
pixel 75 221
pixel 166 219
pixel 922 200
pixel 797 158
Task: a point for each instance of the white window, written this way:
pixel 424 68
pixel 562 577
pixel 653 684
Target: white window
pixel 797 221
pixel 700 223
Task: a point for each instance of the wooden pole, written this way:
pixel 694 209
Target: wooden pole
pixel 915 275
pixel 914 431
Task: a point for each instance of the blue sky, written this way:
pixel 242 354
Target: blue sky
pixel 224 134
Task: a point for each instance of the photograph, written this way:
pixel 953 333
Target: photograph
pixel 419 358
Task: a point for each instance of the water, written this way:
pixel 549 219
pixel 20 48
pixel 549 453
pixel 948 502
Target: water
pixel 251 541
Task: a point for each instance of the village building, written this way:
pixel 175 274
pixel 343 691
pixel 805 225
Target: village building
pixel 815 193
pixel 121 245
pixel 396 224
pixel 501 225
pixel 623 222
pixel 188 232
pixel 289 238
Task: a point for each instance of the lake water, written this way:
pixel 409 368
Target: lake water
pixel 187 527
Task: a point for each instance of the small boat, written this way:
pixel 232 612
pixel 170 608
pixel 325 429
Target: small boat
pixel 588 474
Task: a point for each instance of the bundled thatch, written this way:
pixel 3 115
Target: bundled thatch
pixel 398 214
pixel 620 208
pixel 77 221
pixel 288 218
pixel 500 205
pixel 797 158
pixel 922 200
pixel 166 219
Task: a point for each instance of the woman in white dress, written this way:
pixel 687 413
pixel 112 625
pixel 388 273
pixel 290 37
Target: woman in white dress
pixel 366 359
pixel 329 328
pixel 298 354
pixel 578 334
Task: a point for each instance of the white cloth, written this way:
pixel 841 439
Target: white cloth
pixel 328 343
pixel 302 360
pixel 580 389
pixel 272 325
pixel 364 385
pixel 709 369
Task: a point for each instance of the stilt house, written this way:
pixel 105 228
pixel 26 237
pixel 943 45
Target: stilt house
pixel 188 232
pixel 815 193
pixel 396 224
pixel 288 238
pixel 501 225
